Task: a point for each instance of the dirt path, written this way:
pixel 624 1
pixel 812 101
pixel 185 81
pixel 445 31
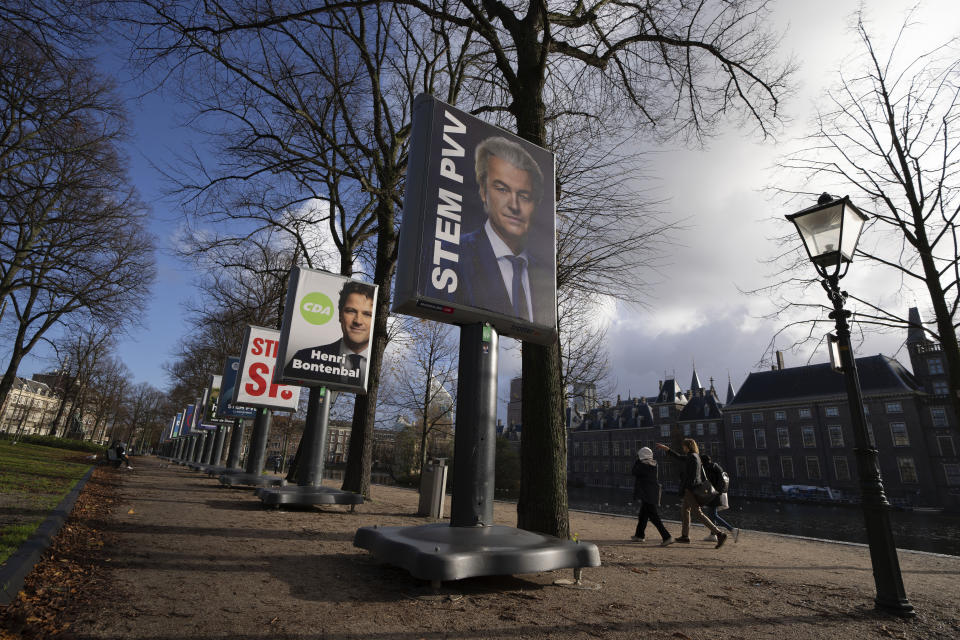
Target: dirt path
pixel 185 558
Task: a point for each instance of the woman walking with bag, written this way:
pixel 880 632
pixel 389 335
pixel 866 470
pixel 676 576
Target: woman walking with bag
pixel 692 479
pixel 646 489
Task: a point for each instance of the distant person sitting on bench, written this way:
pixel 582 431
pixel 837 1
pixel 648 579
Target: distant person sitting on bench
pixel 122 459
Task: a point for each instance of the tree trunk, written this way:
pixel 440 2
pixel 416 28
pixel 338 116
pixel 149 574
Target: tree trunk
pixel 356 476
pixel 542 505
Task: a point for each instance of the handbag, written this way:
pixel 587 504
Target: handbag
pixel 705 493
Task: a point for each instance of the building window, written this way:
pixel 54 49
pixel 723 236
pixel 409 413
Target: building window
pixel 763 466
pixel 637 445
pixel 606 466
pixel 664 412
pixel 813 467
pixel 735 418
pixel 898 430
pixel 952 473
pixel 940 388
pixel 893 407
pixel 836 435
pixel 713 428
pixel 841 468
pixel 576 465
pixel 783 438
pixel 715 450
pixel 664 431
pixel 576 449
pixel 760 438
pixel 908 470
pixel 616 449
pixel 686 430
pixel 934 366
pixel 803 413
pixel 741 462
pixel 605 449
pixel 809 438
pixel 938 415
pixel 699 428
pixel 786 467
pixel 757 418
pixel 738 439
pixel 780 416
pixel 831 412
pixel 946 446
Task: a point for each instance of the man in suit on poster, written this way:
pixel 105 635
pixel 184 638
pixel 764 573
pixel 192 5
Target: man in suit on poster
pixel 344 360
pixel 497 271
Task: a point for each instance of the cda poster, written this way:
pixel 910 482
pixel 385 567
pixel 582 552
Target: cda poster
pixel 327 325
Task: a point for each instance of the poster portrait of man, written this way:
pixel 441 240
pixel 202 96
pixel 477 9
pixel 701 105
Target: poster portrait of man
pixel 478 236
pixel 498 270
pixel 346 358
pixel 322 342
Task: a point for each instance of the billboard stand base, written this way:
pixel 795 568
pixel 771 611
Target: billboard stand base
pixel 250 480
pixel 438 552
pixel 307 496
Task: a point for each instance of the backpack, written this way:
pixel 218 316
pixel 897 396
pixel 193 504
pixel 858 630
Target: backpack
pixel 719 478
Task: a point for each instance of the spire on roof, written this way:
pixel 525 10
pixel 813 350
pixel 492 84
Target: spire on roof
pixel 730 392
pixel 695 381
pixel 915 332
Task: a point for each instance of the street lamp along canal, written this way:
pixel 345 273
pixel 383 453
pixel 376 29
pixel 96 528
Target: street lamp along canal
pixel 830 231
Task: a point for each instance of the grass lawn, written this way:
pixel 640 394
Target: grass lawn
pixel 33 480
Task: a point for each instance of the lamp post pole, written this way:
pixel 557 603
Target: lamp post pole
pixel 891 596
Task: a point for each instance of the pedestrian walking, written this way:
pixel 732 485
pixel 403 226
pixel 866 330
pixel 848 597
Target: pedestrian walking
pixel 691 476
pixel 721 482
pixel 646 489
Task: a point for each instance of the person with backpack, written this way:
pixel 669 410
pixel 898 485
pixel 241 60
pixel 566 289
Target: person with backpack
pixel 646 489
pixel 720 480
pixel 691 477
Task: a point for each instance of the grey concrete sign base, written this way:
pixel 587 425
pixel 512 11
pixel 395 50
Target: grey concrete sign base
pixel 251 480
pixel 439 552
pixel 306 496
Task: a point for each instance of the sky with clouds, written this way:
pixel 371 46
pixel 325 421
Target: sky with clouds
pixel 696 312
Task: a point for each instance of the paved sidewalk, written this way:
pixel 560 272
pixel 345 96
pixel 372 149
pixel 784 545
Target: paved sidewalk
pixel 190 559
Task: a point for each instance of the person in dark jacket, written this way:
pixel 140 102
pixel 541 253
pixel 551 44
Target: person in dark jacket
pixel 646 489
pixel 691 476
pixel 713 471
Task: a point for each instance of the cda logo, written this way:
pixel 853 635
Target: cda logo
pixel 316 308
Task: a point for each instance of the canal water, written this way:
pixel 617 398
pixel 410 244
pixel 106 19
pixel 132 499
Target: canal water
pixel 935 532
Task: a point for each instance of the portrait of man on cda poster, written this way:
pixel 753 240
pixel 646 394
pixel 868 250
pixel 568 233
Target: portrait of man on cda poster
pixel 500 268
pixel 343 360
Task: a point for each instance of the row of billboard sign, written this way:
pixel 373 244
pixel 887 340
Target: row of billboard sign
pixel 477 244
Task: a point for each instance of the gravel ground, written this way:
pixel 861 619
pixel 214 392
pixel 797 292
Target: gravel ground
pixel 165 553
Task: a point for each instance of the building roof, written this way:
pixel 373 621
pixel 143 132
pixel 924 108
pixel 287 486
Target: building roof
pixel 31 386
pixel 731 394
pixel 671 392
pixel 878 374
pixel 915 332
pixel 703 405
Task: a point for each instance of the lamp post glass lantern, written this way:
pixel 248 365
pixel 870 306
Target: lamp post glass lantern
pixel 830 231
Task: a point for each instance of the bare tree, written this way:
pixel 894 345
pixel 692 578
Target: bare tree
pixel 79 353
pixel 679 67
pixel 318 106
pixel 421 381
pixel 887 133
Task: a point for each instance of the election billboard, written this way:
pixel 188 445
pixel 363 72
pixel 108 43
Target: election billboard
pixel 327 326
pixel 228 381
pixel 188 416
pixel 255 386
pixel 478 237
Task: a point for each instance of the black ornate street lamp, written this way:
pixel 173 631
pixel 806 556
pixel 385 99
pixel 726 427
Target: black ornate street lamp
pixel 830 231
